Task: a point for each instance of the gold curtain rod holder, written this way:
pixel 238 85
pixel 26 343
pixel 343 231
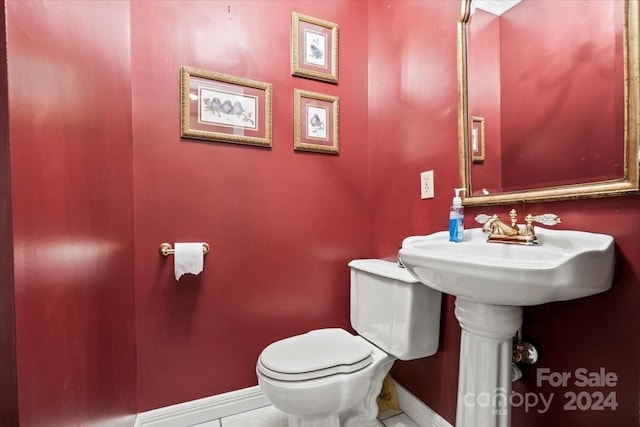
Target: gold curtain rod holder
pixel 166 249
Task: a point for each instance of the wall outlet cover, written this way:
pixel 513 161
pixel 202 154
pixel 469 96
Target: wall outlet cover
pixel 426 185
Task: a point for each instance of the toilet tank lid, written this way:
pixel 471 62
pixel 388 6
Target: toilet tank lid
pixel 383 268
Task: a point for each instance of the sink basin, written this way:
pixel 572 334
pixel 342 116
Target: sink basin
pixel 565 265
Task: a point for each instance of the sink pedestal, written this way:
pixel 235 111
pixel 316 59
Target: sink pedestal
pixel 484 383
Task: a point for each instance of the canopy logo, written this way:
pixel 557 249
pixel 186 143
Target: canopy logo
pixel 583 400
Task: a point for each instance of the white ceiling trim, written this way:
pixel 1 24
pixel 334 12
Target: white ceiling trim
pixel 496 7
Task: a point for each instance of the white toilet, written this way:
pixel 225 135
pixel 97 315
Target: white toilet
pixel 330 378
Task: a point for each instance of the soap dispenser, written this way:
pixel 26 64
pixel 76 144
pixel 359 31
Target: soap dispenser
pixel 456 218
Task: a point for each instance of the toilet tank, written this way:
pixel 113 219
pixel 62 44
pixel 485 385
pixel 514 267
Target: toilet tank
pixel 393 310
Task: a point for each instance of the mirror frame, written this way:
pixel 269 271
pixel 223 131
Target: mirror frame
pixel 628 184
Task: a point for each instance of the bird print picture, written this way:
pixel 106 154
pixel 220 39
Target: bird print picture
pixel 315 49
pixel 224 108
pixel 316 122
pixel 227 108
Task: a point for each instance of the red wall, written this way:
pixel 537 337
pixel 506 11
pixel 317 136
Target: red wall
pixel 282 225
pixel 8 369
pixel 98 169
pixel 418 131
pixel 69 104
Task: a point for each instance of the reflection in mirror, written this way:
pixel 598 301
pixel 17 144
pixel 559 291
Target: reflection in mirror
pixel 556 86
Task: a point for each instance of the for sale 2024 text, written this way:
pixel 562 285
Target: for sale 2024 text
pixel 584 400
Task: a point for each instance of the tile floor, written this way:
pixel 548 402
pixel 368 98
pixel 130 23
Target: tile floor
pixel 272 417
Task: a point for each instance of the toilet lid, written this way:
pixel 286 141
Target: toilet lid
pixel 315 354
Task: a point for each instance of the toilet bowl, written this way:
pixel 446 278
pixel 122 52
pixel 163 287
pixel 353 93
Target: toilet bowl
pixel 331 378
pixel 340 382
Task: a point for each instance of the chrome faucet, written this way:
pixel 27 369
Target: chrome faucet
pixel 501 232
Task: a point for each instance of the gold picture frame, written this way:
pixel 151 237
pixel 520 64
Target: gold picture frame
pixel 477 139
pixel 314 48
pixel 316 122
pixel 223 108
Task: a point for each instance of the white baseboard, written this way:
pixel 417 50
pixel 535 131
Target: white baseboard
pixel 212 408
pixel 417 410
pixel 204 410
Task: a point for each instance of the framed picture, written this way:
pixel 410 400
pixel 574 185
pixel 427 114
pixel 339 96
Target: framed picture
pixel 218 107
pixel 477 139
pixel 314 48
pixel 315 122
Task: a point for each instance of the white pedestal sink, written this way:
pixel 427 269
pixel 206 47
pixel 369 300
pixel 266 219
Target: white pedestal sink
pixel 492 282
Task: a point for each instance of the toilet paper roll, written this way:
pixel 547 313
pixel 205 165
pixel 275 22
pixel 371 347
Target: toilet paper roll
pixel 188 258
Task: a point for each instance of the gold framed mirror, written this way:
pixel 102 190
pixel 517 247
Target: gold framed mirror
pixel 594 150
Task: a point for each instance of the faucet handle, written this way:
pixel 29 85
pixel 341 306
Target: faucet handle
pixel 546 219
pixel 483 218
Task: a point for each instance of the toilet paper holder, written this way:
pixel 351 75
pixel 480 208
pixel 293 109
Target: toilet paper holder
pixel 166 249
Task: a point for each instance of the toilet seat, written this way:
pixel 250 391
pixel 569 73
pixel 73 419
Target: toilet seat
pixel 316 354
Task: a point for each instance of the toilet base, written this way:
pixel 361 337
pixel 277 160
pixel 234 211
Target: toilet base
pixel 364 414
pixel 350 418
pixel 360 419
pixel 318 420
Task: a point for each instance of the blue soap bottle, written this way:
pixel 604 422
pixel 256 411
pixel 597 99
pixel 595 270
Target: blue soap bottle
pixel 456 218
